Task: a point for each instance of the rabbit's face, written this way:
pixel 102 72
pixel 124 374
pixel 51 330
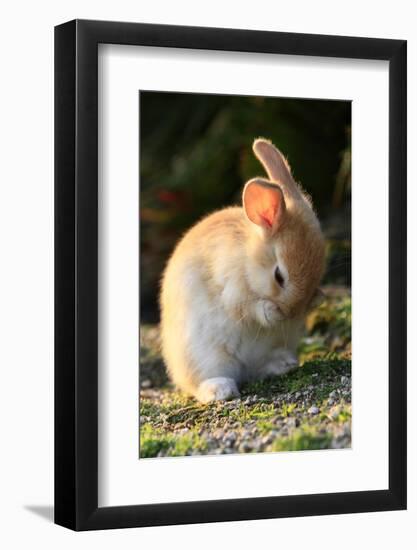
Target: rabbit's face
pixel 287 268
pixel 286 247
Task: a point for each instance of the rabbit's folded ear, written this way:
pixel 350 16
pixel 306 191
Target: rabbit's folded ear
pixel 274 162
pixel 264 204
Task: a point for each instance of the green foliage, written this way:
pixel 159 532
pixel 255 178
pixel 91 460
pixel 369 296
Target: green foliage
pixel 202 144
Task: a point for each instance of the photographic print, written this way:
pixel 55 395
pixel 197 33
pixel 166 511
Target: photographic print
pixel 245 274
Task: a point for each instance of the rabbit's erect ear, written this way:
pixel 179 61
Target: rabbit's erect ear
pixel 264 204
pixel 273 161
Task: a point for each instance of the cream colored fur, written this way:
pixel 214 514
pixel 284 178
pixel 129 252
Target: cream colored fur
pixel 224 317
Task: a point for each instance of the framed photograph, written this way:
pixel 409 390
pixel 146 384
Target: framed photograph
pixel 230 275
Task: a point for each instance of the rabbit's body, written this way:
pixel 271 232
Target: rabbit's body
pixel 225 316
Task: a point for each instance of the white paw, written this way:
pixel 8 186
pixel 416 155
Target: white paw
pixel 268 313
pixel 281 362
pixel 217 389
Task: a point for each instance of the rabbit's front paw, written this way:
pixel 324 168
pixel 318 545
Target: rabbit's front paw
pixel 281 362
pixel 217 389
pixel 267 313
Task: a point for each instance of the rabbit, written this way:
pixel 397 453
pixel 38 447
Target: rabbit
pixel 238 285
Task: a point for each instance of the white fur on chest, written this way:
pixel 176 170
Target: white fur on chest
pixel 213 334
pixel 253 345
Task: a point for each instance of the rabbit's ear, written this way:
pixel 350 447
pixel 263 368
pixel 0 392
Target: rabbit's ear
pixel 273 161
pixel 264 204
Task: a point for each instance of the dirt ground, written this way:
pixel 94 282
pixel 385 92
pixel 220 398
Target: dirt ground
pixel 309 408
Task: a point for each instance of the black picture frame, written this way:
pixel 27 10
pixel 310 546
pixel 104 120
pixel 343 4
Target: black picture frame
pixel 76 272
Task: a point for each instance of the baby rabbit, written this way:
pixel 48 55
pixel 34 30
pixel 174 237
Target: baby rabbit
pixel 238 284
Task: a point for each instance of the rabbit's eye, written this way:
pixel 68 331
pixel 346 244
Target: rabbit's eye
pixel 278 277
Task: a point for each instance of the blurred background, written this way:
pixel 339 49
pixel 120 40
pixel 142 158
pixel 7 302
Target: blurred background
pixel 196 155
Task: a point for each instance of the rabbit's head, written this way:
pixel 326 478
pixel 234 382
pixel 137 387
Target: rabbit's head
pixel 285 251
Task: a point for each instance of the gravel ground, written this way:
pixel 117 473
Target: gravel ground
pixel 309 408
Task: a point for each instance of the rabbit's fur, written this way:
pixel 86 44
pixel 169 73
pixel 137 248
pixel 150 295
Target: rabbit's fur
pixel 225 317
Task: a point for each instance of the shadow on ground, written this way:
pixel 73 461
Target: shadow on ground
pixel 45 512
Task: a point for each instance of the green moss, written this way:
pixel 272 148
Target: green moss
pixel 319 371
pixel 303 439
pixel 186 444
pixel 261 411
pixel 264 427
pixel 153 440
pixel 147 408
pixel 341 414
pixel 287 409
pixel 343 417
pixel 189 414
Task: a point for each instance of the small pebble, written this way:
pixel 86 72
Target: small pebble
pixel 334 412
pixel 313 410
pixel 233 403
pixel 291 422
pixel 245 447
